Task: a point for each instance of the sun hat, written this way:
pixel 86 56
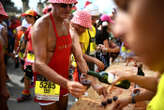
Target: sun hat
pixel 30 12
pixel 2 11
pixel 92 9
pixel 82 18
pixel 63 1
pixel 106 18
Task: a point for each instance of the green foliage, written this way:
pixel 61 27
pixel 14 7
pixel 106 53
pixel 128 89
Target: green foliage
pixel 9 6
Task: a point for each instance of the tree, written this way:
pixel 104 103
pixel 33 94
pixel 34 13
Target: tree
pixel 9 6
pixel 25 5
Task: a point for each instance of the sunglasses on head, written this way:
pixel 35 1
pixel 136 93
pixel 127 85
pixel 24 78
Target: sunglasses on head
pixel 66 5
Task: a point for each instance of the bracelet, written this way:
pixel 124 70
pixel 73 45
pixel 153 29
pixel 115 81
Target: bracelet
pixel 133 96
pixel 133 99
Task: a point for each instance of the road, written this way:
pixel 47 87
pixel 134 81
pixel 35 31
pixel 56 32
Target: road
pixel 15 87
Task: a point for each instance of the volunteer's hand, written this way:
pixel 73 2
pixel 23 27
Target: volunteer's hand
pixel 121 103
pixel 101 90
pixel 122 75
pixel 75 88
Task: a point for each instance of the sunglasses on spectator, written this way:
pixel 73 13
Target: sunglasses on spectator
pixel 66 5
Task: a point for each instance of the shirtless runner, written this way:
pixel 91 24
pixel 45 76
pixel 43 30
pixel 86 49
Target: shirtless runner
pixel 52 46
pixel 4 94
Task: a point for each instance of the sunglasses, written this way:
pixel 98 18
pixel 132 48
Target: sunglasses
pixel 62 5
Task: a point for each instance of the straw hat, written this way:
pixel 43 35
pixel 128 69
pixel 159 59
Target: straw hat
pixel 82 18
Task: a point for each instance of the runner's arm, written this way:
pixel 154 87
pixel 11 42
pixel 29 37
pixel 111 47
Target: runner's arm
pixel 76 49
pixel 2 68
pixel 4 35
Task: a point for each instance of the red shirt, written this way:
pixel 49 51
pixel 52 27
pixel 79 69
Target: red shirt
pixel 28 38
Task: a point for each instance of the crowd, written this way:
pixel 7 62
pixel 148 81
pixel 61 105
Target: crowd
pixel 55 51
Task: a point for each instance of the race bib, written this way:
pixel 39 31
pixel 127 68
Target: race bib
pixel 46 90
pixel 30 57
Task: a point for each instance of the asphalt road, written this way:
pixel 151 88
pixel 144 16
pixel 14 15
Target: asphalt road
pixel 15 87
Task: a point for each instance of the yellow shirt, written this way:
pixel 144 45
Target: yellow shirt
pixel 124 49
pixel 157 103
pixel 84 39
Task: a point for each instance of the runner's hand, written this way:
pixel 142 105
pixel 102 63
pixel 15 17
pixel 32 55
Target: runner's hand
pixel 76 89
pixel 121 103
pixel 83 76
pixel 4 93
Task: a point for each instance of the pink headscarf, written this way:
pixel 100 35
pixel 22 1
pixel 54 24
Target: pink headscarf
pixel 82 18
pixel 106 18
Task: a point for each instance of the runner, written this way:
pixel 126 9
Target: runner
pixel 31 16
pixel 20 50
pixel 82 22
pixel 18 35
pixel 4 42
pixel 53 44
pixel 4 94
pixel 140 24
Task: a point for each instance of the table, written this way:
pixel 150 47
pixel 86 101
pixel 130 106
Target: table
pixel 93 100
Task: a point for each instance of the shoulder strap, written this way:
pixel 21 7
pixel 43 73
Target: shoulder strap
pixel 88 49
pixel 53 23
